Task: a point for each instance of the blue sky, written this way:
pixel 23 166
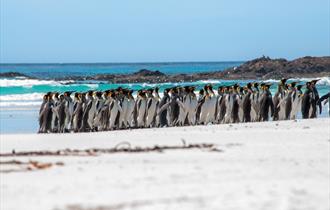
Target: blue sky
pixel 154 30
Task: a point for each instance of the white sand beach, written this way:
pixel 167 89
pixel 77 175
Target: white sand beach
pixel 266 166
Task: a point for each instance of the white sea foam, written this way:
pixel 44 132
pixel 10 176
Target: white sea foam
pixel 21 97
pixel 322 80
pixel 271 81
pixel 210 81
pixel 94 86
pixel 29 82
pixel 13 104
pixel 21 100
pixel 148 85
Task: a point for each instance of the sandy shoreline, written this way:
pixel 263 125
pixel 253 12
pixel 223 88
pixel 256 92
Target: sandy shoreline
pixel 271 165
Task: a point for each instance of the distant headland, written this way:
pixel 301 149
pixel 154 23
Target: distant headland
pixel 260 68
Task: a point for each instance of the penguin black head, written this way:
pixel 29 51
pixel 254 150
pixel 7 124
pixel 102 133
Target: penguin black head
pixel 255 84
pixel 125 91
pixel 235 86
pixel 49 97
pixel 211 88
pixel 299 87
pixel 267 85
pixel 249 85
pixel 314 81
pixel 178 88
pixel 109 94
pixel 293 84
pixel 220 88
pixel 192 88
pixel 156 89
pixel 201 92
pixel 241 89
pixel 186 89
pixel 98 94
pixel 68 93
pixel 76 95
pixel 90 93
pixel 283 81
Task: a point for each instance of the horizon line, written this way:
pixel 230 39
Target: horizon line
pixel 144 62
pixel 148 62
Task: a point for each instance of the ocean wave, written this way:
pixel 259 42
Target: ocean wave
pixel 92 85
pixel 21 97
pixel 322 80
pixel 13 104
pixel 21 100
pixel 271 81
pixel 210 81
pixel 148 85
pixel 30 82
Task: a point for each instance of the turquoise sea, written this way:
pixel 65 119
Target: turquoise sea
pixel 20 97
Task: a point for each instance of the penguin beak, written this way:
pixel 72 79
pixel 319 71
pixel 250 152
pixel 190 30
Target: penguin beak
pixel 315 81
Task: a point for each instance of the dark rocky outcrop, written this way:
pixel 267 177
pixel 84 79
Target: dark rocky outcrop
pixel 148 73
pixel 260 68
pixel 266 68
pixel 142 75
pixel 13 74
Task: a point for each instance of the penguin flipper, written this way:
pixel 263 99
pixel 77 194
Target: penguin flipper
pixel 55 111
pixel 326 101
pixel 149 103
pixel 181 104
pixel 119 107
pixel 165 106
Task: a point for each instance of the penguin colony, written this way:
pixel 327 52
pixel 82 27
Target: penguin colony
pixel 179 106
